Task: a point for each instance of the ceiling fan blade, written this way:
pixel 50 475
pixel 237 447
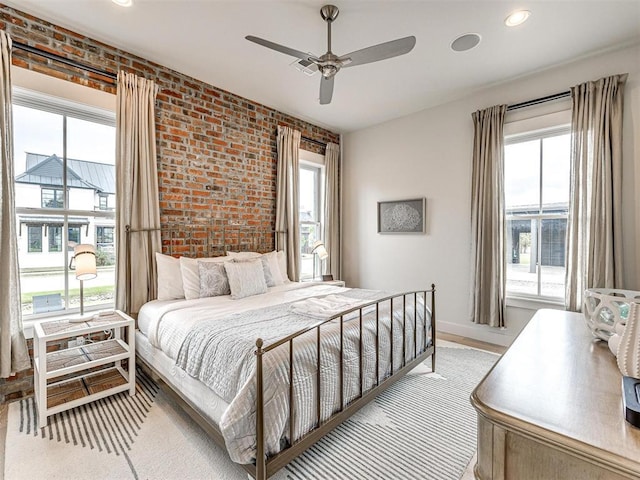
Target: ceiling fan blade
pixel 381 51
pixel 281 48
pixel 326 90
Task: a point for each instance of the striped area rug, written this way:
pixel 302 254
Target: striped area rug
pixel 423 427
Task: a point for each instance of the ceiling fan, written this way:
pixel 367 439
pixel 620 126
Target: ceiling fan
pixel 329 64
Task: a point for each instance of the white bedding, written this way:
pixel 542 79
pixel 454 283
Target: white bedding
pixel 167 323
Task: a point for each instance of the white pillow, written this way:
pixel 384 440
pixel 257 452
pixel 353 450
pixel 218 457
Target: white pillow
pixel 169 277
pixel 191 275
pixel 272 261
pixel 244 255
pixel 282 262
pixel 245 278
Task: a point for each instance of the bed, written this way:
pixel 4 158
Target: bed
pixel 267 375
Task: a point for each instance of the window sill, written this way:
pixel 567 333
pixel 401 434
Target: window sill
pixel 530 303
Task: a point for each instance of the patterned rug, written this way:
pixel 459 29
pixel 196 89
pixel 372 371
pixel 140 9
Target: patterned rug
pixel 423 427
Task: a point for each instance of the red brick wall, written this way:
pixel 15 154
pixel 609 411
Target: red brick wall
pixel 216 150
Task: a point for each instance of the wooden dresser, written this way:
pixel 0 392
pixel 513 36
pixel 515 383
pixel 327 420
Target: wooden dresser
pixel 551 408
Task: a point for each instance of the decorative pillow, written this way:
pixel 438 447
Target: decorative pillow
pixel 191 274
pixel 169 277
pixel 213 279
pixel 245 278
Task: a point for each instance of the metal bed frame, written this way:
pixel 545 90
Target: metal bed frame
pixel 264 466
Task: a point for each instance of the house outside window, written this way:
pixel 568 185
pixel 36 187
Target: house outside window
pixel 61 147
pixel 311 210
pixel 537 169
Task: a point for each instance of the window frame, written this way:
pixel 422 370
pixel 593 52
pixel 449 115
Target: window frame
pixel 31 228
pixel 319 170
pixel 521 137
pixel 67 109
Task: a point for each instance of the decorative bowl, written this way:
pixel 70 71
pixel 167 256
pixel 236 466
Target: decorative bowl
pixel 605 308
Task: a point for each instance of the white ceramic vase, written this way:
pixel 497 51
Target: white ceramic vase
pixel 629 347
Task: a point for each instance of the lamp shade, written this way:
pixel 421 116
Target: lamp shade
pixel 85 259
pixel 318 249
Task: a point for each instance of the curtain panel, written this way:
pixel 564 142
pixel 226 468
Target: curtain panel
pixel 594 232
pixel 487 218
pixel 137 192
pixel 287 188
pixel 14 355
pixel 332 210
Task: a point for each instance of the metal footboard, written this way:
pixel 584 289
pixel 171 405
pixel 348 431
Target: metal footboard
pixel 265 467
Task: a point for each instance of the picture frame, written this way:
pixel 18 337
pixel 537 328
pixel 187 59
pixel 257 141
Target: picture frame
pixel 402 216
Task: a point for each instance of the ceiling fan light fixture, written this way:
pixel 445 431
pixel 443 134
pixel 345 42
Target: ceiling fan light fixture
pixel 123 3
pixel 465 42
pixel 517 18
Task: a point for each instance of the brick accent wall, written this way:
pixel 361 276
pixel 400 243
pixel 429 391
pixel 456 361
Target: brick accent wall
pixel 216 150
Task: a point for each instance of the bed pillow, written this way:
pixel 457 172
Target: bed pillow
pixel 213 279
pixel 244 255
pixel 282 262
pixel 245 278
pixel 191 275
pixel 271 260
pixel 169 277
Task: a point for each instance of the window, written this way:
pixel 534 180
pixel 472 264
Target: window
pixel 34 239
pixel 104 235
pixel 536 203
pixel 103 201
pixel 52 198
pixel 55 239
pixel 64 156
pixel 311 209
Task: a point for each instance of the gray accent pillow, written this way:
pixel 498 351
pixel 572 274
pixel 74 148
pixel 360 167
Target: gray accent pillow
pixel 246 278
pixel 266 270
pixel 213 279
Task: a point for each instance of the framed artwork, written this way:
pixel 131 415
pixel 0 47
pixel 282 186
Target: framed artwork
pixel 402 216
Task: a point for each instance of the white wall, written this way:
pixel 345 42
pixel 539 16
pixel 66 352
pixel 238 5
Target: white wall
pixel 429 154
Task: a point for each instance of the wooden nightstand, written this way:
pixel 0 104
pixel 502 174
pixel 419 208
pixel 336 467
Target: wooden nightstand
pixel 73 376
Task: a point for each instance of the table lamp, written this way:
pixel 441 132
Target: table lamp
pixel 85 268
pixel 319 250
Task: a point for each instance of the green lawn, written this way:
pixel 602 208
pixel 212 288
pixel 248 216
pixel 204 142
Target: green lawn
pixel 73 292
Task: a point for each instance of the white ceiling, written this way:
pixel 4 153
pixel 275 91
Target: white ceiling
pixel 205 39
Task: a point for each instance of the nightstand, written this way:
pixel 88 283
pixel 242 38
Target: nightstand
pixel 337 283
pixel 80 374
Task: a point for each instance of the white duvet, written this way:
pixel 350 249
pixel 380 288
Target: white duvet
pixel 224 359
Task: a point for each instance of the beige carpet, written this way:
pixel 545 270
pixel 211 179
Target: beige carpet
pixel 148 437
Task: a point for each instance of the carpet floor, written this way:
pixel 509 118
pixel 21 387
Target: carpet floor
pixel 423 427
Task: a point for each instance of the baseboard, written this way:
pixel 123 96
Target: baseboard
pixel 483 333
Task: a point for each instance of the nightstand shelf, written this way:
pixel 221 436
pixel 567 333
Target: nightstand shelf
pixel 85 372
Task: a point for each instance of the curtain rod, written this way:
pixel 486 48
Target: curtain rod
pixel 59 58
pixel 317 142
pixel 537 101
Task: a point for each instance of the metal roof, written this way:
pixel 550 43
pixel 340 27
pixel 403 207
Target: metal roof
pixel 47 170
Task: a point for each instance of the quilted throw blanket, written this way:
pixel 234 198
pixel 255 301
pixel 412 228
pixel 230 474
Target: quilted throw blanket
pixel 220 353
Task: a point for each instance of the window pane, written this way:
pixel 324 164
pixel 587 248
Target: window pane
pixel 74 234
pixel 521 256
pixel 34 238
pixel 522 177
pixel 55 239
pixel 309 195
pixel 555 174
pixel 553 257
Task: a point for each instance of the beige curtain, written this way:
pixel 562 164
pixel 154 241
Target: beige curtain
pixel 14 355
pixel 487 284
pixel 287 193
pixel 137 191
pixel 594 236
pixel 332 209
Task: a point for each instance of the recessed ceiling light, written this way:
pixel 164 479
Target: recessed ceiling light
pixel 123 3
pixel 465 42
pixel 516 18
